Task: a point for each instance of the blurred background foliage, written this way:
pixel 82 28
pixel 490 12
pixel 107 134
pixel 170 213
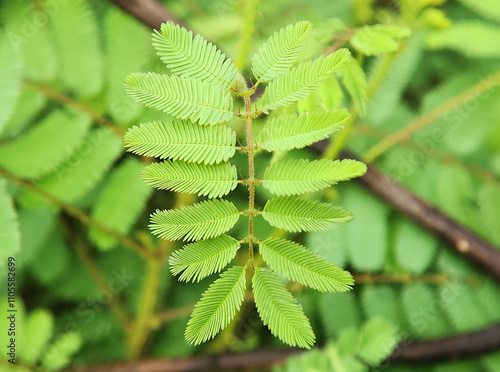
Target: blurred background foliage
pixel 74 211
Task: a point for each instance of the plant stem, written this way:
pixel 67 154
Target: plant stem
pixel 246 35
pixel 147 303
pixel 464 97
pixel 251 176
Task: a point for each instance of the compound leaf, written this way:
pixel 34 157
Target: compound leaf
pixel 292 177
pixel 279 311
pixel 298 263
pixel 217 307
pixel 302 80
pixel 203 220
pixel 192 57
pixel 287 132
pixel 182 97
pixel 295 214
pixel 205 180
pixel 198 260
pixel 181 140
pixel 280 51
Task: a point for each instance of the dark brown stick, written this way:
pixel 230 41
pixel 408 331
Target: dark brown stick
pixel 450 348
pixel 150 12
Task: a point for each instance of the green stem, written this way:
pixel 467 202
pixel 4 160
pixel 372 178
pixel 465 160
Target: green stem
pixel 423 121
pixel 246 35
pixel 251 176
pixel 147 304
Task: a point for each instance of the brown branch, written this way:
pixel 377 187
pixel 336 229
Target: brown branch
pixel 150 12
pixel 443 349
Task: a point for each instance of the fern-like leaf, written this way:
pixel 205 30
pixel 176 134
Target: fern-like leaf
pixel 296 214
pixel 378 39
pixel 299 264
pixel 279 311
pixel 280 51
pixel 287 132
pixel 192 57
pixel 203 220
pixel 182 97
pixel 181 140
pixel 205 180
pixel 218 305
pixel 292 177
pixel 198 260
pixel 302 80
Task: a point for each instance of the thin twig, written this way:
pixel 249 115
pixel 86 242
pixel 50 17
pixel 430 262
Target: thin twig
pixel 473 92
pixel 83 253
pixel 150 12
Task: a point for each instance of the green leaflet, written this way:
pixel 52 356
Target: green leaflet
pixel 292 177
pixel 378 339
pixel 205 180
pixel 58 355
pixel 218 305
pixel 77 41
pixel 10 78
pixel 279 311
pixel 10 239
pixel 29 104
pixel 31 37
pixel 54 137
pixel 378 39
pixel 181 140
pixel 354 79
pixel 474 39
pixel 203 220
pixel 37 333
pixel 407 237
pixel 302 80
pixel 418 300
pixel 489 203
pixel 295 214
pixel 287 132
pixel 280 51
pixel 192 57
pixel 198 260
pixel 81 171
pixel 120 202
pixel 127 49
pixel 297 263
pixel 182 97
